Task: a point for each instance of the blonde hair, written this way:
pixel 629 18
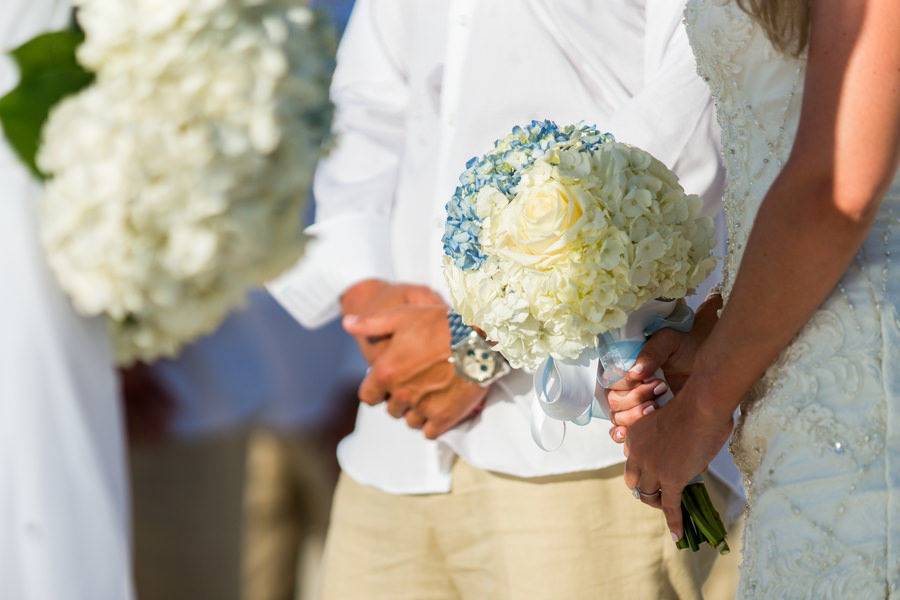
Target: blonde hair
pixel 786 22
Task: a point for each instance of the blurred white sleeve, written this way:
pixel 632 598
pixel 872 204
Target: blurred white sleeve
pixel 673 117
pixel 355 184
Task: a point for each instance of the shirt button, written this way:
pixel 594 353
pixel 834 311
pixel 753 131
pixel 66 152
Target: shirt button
pixel 462 21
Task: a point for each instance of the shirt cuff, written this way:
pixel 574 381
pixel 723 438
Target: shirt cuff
pixel 340 253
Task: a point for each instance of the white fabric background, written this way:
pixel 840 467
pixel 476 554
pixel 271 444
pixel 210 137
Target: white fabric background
pixel 63 491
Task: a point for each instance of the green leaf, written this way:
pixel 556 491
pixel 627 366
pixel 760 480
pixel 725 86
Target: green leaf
pixel 48 72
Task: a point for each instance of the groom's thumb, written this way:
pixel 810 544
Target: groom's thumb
pixel 379 325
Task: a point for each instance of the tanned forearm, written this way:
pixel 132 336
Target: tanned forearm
pixel 800 246
pixel 819 210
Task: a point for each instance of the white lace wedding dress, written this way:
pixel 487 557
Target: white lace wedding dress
pixel 819 444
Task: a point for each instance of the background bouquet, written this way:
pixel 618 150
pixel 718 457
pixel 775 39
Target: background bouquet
pixel 563 245
pixel 177 177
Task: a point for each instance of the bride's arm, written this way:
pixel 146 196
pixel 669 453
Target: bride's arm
pixel 811 223
pixel 820 209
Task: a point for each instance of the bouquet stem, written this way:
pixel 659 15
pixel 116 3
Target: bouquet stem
pixel 701 521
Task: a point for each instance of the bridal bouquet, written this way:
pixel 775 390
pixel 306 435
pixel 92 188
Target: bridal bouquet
pixel 563 245
pixel 176 180
pixel 558 234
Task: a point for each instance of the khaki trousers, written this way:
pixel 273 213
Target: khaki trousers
pixel 286 503
pixel 496 537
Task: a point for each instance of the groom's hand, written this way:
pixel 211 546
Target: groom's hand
pixel 413 372
pixel 441 411
pixel 372 296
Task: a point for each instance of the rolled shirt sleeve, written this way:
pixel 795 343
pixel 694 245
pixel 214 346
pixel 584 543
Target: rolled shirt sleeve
pixel 355 184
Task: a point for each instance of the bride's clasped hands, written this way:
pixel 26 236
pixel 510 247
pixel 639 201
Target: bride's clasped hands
pixel 662 457
pixel 670 447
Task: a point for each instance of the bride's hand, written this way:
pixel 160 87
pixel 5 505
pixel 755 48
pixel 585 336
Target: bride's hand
pixel 671 446
pixel 635 396
pixel 674 352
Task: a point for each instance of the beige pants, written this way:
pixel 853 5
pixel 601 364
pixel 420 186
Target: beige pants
pixel 289 487
pixel 495 537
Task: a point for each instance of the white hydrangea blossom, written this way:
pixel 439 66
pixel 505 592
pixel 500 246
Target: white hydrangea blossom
pixel 178 178
pixel 587 238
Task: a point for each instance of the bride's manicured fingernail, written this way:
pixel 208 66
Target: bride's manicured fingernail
pixel 350 320
pixel 619 435
pixel 675 537
pixel 636 369
pixel 661 389
pixel 648 410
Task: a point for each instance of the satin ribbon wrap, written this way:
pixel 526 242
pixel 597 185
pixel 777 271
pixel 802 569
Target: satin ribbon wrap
pixel 564 394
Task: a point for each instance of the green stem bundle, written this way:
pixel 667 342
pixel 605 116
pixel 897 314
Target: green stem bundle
pixel 701 521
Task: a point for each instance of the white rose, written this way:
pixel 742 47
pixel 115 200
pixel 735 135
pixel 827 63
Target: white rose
pixel 541 224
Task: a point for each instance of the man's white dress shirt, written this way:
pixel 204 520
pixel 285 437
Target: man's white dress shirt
pixel 63 489
pixel 423 85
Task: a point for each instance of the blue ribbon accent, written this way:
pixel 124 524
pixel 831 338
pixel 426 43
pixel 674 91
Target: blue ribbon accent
pixel 618 356
pixel 560 403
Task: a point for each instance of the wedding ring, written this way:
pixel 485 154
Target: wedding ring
pixel 639 493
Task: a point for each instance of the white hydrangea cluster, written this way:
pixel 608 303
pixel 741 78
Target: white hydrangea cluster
pixel 587 236
pixel 178 179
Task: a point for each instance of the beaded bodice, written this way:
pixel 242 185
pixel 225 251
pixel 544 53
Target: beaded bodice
pixel 758 92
